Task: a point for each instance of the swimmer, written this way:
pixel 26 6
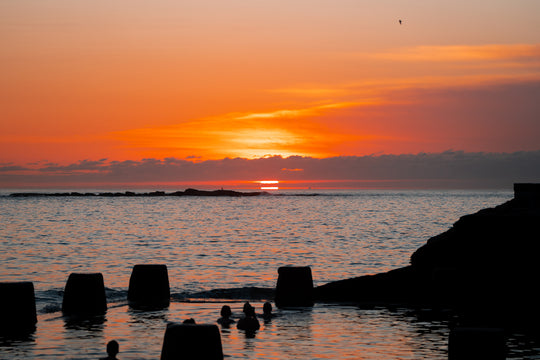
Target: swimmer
pixel 246 308
pixel 249 322
pixel 267 311
pixel 225 319
pixel 112 350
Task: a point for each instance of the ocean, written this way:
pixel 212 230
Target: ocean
pixel 226 250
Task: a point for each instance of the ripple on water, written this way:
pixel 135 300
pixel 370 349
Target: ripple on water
pixel 243 241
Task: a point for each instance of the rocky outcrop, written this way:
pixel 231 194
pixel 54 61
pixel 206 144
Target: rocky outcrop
pixel 487 263
pixel 187 192
pixel 194 192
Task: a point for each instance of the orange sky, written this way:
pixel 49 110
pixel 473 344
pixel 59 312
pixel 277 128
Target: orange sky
pixel 208 79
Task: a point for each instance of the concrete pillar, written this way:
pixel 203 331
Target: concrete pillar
pixel 294 287
pixel 149 286
pixel 17 308
pixel 192 342
pixel 84 294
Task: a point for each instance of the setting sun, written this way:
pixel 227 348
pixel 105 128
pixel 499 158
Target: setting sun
pixel 269 184
pixel 230 145
pixel 93 94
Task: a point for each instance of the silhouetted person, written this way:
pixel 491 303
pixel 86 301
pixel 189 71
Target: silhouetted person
pixel 246 307
pixel 188 321
pixel 112 350
pixel 400 22
pixel 249 322
pixel 267 311
pixel 225 319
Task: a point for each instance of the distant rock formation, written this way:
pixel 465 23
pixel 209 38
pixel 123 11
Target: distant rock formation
pixel 193 192
pixel 187 192
pixel 486 267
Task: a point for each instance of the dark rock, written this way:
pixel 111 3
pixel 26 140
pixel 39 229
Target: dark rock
pixel 485 267
pixel 194 192
pixel 250 292
pixel 157 193
pixel 402 286
pixel 188 192
pixel 467 343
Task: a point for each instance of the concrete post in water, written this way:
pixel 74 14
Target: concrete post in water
pixel 149 286
pixel 17 308
pixel 192 342
pixel 468 343
pixel 84 294
pixel 294 287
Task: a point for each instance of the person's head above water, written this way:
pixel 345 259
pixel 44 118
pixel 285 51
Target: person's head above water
pixel 250 311
pixel 112 348
pixel 267 308
pixel 226 311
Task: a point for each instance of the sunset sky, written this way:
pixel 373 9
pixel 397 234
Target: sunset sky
pixel 198 81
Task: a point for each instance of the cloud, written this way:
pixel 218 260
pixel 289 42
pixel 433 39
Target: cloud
pixel 11 168
pixel 249 135
pixel 286 169
pixel 312 91
pixel 491 118
pixel 460 53
pixel 406 118
pixel 80 166
pixel 456 169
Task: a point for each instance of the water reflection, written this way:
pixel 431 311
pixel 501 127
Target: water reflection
pixel 87 323
pixel 16 339
pixel 249 343
pixel 19 346
pixel 296 335
pixel 148 317
pixel 431 327
pixel 322 332
pixel 49 237
pixel 523 346
pixel 224 244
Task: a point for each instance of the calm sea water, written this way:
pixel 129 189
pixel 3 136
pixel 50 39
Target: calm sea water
pixel 230 243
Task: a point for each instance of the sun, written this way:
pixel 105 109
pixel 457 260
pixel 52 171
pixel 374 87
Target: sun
pixel 269 184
